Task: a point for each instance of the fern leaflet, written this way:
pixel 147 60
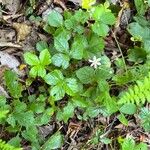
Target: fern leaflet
pixel 139 93
pixel 5 146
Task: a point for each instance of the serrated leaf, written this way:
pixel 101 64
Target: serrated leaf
pixel 45 57
pixel 68 112
pixel 100 29
pixel 61 60
pixel 31 59
pixel 108 18
pixel 77 49
pixel 54 77
pixel 25 119
pixel 54 142
pixel 30 134
pixel 128 143
pixel 12 84
pixel 80 102
pixel 96 43
pixel 15 141
pixel 57 92
pixel 61 41
pixel 71 86
pixel 55 19
pixel 85 75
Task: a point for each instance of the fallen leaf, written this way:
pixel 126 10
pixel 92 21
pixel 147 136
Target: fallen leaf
pixel 22 29
pixel 9 61
pixel 12 5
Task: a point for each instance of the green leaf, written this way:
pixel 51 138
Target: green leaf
pixel 54 142
pixel 123 119
pixel 54 77
pixel 15 141
pixel 57 92
pixel 41 45
pixel 141 7
pixel 77 49
pixel 31 59
pixel 41 71
pixel 86 75
pixel 128 144
pixel 141 146
pixel 137 55
pixel 68 112
pixel 34 71
pixel 55 19
pixel 80 102
pixel 100 29
pixel 12 84
pixel 30 134
pixel 71 86
pixel 61 60
pixel 61 40
pixel 129 109
pixel 25 119
pixel 96 43
pixel 86 4
pixel 108 18
pixel 45 57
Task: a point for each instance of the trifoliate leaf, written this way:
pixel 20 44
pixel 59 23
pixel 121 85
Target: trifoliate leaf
pixel 85 75
pixel 31 59
pixel 54 142
pixel 61 60
pixel 54 77
pixel 55 19
pixel 45 57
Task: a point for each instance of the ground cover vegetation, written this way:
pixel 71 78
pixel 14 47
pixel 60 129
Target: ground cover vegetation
pixel 85 85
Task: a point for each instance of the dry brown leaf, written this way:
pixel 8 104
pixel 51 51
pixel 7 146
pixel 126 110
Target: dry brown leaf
pixel 9 61
pixel 22 29
pixel 12 5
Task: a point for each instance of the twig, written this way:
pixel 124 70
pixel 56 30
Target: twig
pixel 9 44
pixel 123 59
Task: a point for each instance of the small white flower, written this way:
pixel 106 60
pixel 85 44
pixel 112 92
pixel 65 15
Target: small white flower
pixel 95 62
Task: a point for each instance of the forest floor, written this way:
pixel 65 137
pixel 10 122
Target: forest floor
pixel 22 26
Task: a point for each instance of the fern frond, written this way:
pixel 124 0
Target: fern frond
pixel 139 93
pixel 5 146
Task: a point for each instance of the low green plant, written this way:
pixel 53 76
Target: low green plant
pixel 77 78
